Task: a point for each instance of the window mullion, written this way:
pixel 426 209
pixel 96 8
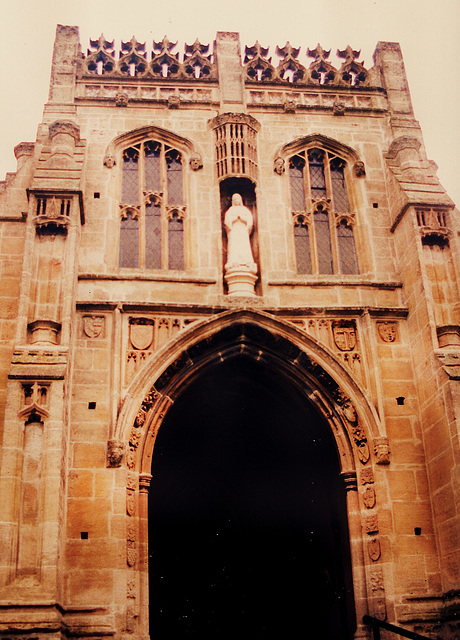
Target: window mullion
pixel 312 230
pixel 164 214
pixel 331 212
pixel 142 207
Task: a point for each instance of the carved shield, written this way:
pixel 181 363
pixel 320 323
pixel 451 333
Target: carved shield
pixel 387 331
pixel 130 503
pixel 369 497
pixel 141 335
pixel 373 548
pixel 344 336
pixel 93 326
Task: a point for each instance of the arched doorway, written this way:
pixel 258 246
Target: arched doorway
pixel 247 515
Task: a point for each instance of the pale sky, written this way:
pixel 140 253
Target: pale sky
pixel 428 31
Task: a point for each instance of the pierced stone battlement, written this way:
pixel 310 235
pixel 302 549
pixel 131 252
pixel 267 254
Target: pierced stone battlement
pixel 132 60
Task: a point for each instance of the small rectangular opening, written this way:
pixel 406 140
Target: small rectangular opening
pixel 91 405
pixel 97 195
pixel 84 535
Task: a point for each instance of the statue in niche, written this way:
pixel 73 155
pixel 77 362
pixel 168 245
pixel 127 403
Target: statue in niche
pixel 238 224
pixel 240 268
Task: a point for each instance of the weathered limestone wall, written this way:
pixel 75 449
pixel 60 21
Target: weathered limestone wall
pixel 87 349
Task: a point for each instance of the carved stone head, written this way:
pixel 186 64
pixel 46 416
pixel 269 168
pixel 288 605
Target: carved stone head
pixel 115 450
pixel 278 166
pixel 109 161
pixel 195 162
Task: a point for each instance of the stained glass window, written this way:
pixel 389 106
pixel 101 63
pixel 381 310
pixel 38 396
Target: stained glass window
pixel 152 184
pixel 323 240
pixel 302 247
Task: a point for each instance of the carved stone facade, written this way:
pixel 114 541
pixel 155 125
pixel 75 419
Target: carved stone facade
pixel 116 298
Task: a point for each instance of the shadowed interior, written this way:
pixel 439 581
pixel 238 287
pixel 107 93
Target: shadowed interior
pixel 247 520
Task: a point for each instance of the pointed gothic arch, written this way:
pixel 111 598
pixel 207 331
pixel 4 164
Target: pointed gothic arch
pixel 260 336
pixel 304 363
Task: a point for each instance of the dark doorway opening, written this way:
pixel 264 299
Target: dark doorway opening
pixel 247 518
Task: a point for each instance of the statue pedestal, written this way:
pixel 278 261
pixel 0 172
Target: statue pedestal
pixel 240 280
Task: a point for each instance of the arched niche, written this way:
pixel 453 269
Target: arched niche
pixel 247 190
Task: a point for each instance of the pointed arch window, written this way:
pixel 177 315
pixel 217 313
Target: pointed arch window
pixel 152 207
pixel 323 220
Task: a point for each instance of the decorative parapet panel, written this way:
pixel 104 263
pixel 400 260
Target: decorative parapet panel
pixel 133 61
pixel 236 145
pixel 259 68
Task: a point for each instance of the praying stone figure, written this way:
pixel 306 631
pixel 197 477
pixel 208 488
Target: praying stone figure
pixel 240 269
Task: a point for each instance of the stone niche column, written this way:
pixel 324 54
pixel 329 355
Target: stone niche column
pixel 29 534
pixel 357 555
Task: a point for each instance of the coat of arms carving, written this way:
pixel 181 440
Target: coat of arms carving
pixel 141 333
pixel 387 331
pixel 344 333
pixel 93 326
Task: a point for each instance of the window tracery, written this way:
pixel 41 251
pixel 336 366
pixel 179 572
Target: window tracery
pixel 152 207
pixel 323 221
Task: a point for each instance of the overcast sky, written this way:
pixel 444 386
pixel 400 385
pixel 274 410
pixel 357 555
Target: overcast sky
pixel 428 31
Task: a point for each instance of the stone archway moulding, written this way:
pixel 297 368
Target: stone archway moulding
pixel 309 366
pixel 260 336
pixel 150 132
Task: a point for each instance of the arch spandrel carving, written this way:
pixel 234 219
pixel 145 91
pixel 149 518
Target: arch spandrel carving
pixel 259 336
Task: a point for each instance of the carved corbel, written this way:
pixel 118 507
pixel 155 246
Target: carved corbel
pixel 290 106
pixel 109 161
pixel 195 162
pixel 382 450
pixel 122 99
pixel 279 166
pixel 115 450
pixel 359 169
pixel 338 108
